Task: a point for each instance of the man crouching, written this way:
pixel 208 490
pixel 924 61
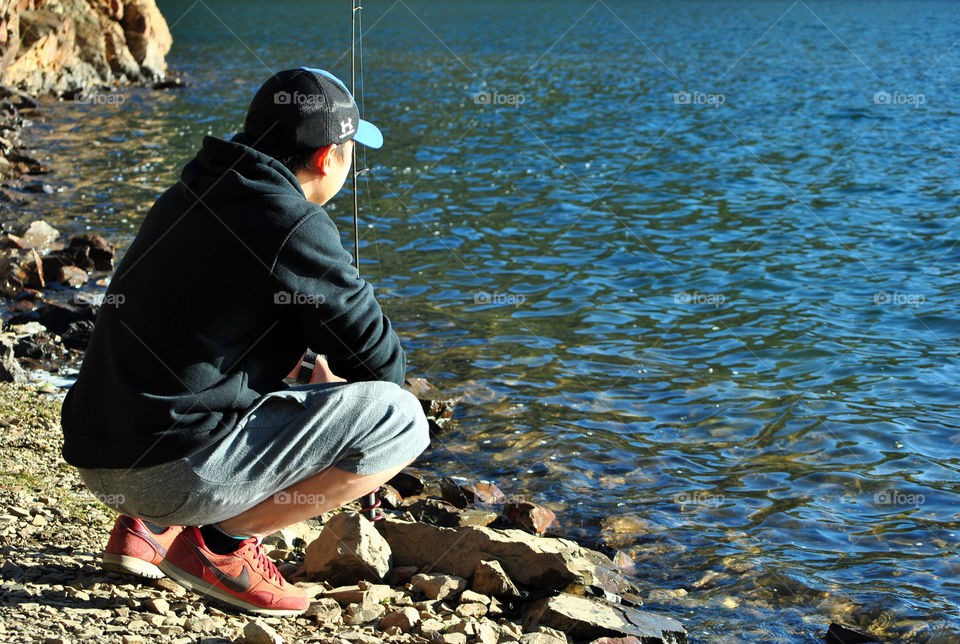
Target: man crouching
pixel 180 415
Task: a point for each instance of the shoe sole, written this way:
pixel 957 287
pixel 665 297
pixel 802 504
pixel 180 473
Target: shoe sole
pixel 131 566
pixel 206 589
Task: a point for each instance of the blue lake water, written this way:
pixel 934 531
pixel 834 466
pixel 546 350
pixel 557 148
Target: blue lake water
pixel 693 267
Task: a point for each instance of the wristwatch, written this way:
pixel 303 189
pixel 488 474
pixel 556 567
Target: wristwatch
pixel 306 367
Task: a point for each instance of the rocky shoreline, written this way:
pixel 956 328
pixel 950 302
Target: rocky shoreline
pixel 400 579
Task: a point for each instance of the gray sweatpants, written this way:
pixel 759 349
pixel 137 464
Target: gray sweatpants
pixel 286 437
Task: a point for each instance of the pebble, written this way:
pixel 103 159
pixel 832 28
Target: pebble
pixel 258 632
pixel 157 605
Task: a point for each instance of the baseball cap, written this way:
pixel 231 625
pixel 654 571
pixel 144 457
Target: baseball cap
pixel 305 109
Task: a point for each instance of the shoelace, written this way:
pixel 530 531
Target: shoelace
pixel 263 561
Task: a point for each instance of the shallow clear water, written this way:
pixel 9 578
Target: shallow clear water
pixel 692 266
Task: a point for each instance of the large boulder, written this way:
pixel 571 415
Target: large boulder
pixel 63 46
pixel 148 37
pixel 348 550
pixel 535 562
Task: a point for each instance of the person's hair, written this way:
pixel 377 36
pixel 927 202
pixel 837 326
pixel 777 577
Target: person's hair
pixel 301 160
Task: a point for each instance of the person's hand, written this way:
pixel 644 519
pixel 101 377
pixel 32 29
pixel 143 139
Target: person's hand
pixel 322 373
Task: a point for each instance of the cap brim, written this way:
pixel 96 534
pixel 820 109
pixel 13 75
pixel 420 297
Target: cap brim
pixel 369 135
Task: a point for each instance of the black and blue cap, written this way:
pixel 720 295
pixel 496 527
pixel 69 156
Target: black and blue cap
pixel 305 109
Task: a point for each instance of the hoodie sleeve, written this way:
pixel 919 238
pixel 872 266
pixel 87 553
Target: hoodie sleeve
pixel 336 311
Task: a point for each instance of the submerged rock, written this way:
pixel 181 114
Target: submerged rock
pixel 462 495
pixel 437 406
pixel 838 634
pixel 583 618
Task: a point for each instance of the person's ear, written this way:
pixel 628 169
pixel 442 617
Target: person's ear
pixel 322 160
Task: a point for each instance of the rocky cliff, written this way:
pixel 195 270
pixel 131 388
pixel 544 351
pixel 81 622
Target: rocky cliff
pixel 61 46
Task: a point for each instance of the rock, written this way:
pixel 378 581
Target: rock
pixel 536 562
pixel 463 495
pixel 471 597
pixel 70 276
pixel 121 61
pixel 431 628
pixel 408 483
pixel 157 605
pixel 325 611
pixel 40 235
pixel 58 317
pixel 147 35
pixel 20 269
pixel 281 539
pixel 89 252
pixel 405 619
pixel 471 610
pixel 665 594
pixel 487 633
pixel 838 634
pixel 363 613
pixel 587 619
pixel 77 335
pixel 389 497
pixel 258 632
pixel 439 586
pixel 437 407
pixel 452 638
pixel 543 635
pixel 435 512
pixel 10 369
pixel 616 640
pixel 368 594
pixel 401 575
pixel 490 579
pixel 62 47
pixel 476 517
pixel 9 240
pixel 199 625
pixel 530 516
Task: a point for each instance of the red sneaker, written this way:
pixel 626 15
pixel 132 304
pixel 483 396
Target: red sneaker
pixel 245 579
pixel 135 550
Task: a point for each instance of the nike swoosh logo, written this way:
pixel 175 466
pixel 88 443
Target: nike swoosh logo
pixel 238 584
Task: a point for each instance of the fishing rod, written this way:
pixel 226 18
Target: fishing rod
pixel 371 503
pixel 356 8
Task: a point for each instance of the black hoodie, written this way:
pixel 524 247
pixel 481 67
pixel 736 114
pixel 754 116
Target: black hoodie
pixel 232 275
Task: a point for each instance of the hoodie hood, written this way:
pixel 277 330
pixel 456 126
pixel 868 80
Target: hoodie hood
pixel 230 171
